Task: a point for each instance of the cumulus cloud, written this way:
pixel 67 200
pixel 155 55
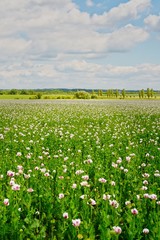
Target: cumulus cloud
pixel 125 38
pixel 153 22
pixel 79 74
pixel 122 13
pixel 52 26
pixel 53 41
pixel 12 47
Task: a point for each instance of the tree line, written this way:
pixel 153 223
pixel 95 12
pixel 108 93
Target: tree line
pixel 149 93
pixel 115 93
pixel 85 93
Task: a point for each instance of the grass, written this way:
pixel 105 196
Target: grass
pixel 18 96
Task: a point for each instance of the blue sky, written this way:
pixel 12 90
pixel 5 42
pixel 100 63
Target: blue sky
pixel 80 44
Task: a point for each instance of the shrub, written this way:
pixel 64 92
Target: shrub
pixel 82 95
pixel 39 95
pixel 94 96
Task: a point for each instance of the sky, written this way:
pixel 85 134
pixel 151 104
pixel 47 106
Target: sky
pixel 92 44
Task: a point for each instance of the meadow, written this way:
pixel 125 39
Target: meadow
pixel 79 169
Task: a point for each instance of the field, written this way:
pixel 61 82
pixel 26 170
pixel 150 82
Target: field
pixel 79 169
pixel 33 97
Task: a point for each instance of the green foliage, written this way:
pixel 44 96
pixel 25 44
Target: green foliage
pixel 94 96
pixel 116 93
pixel 39 95
pixel 24 92
pixel 123 93
pixel 141 93
pixel 148 93
pixel 13 92
pixel 100 93
pixel 151 92
pixel 82 95
pixel 109 92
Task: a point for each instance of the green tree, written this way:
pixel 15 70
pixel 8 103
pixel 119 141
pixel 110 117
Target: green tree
pixel 110 93
pixel 93 92
pixel 142 93
pixel 23 92
pixel 123 93
pixel 139 94
pixel 116 93
pixel 94 95
pixel 151 92
pixel 100 93
pixel 13 91
pixel 31 92
pixel 148 92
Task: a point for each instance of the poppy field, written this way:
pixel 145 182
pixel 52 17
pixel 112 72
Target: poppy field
pixel 79 169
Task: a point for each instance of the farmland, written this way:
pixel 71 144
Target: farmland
pixel 80 169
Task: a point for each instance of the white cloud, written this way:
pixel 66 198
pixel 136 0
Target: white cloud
pixel 46 28
pixel 79 74
pixel 153 22
pixel 121 13
pixel 13 47
pixel 86 41
pixel 89 3
pixel 79 66
pixel 53 43
pixel 125 38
